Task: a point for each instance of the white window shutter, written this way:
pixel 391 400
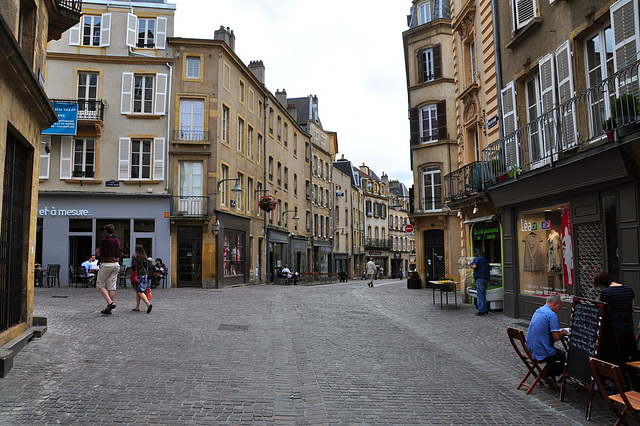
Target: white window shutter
pixel 509 119
pixel 74 34
pixel 124 147
pixel 547 83
pixel 132 26
pixel 546 71
pixel 161 33
pixel 126 97
pixel 525 11
pixel 161 94
pixel 624 26
pixel 66 157
pixel 564 71
pixel 45 157
pixel 158 159
pixel 105 30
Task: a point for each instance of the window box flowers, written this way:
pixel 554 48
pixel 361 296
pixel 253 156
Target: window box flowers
pixel 268 203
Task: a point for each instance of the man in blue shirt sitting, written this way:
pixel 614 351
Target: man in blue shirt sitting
pixel 544 331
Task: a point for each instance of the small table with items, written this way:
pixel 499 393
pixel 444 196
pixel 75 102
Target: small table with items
pixel 446 287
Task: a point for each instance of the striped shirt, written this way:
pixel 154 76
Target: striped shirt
pixel 620 299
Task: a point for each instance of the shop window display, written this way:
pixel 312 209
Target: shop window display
pixel 545 251
pixel 233 253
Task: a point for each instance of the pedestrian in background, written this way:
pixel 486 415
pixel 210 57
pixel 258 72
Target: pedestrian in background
pixel 480 266
pixel 141 266
pixel 370 269
pixel 400 272
pixel 108 252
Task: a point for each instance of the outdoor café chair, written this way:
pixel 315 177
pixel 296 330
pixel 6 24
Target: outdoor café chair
pixel 629 401
pixel 533 367
pixel 73 275
pixel 52 274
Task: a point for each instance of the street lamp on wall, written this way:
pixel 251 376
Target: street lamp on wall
pixel 295 213
pixel 216 227
pixel 236 188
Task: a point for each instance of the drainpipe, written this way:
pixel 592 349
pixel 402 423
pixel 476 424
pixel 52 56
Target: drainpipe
pixel 168 141
pixel 496 43
pixel 266 186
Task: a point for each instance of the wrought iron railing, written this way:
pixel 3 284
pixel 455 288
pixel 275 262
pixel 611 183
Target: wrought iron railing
pixel 92 109
pixel 191 135
pixel 601 114
pixel 464 182
pixel 377 243
pixel 72 5
pixel 189 206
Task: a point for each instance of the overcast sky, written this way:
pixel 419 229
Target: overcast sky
pixel 346 52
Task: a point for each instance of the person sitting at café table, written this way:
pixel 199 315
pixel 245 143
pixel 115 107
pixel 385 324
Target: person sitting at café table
pixel 88 267
pixel 621 300
pixel 159 269
pixel 544 331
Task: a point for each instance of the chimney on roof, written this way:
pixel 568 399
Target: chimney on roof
pixel 281 97
pixel 314 108
pixel 385 179
pixel 226 35
pixel 365 169
pixel 293 111
pixel 257 69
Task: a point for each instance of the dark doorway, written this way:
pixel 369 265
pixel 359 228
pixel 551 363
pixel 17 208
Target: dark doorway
pixel 79 249
pixel 189 256
pixel 434 254
pixel 12 232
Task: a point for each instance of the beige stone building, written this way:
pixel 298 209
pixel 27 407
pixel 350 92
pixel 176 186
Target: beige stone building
pixel 322 153
pixel 115 67
pixel 230 133
pixel 431 89
pixel 377 243
pixel 477 112
pixel 354 221
pixel 402 240
pixel 344 230
pixel 25 111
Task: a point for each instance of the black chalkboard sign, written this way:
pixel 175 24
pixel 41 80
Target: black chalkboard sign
pixel 592 335
pixel 587 318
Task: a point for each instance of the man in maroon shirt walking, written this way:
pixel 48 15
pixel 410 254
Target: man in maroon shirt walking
pixel 108 252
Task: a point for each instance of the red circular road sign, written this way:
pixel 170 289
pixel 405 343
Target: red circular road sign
pixel 408 228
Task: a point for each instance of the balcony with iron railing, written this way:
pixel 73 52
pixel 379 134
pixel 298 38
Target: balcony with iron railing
pixel 190 136
pixel 183 206
pixel 603 114
pixel 64 15
pixel 91 110
pixel 383 243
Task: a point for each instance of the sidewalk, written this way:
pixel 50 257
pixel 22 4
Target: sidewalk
pixel 328 354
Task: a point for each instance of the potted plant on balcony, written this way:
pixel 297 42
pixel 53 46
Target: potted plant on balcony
pixel 513 170
pixel 268 203
pixel 624 112
pixel 497 169
pixel 607 127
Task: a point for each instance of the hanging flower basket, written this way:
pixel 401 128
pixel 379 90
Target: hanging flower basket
pixel 267 203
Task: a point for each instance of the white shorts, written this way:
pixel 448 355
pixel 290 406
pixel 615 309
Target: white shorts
pixel 108 275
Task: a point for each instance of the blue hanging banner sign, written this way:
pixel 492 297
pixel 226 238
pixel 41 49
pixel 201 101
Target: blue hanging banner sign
pixel 67 123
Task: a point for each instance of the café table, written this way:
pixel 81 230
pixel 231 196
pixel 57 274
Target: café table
pixel 445 287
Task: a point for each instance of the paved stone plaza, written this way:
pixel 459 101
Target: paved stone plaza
pixel 331 354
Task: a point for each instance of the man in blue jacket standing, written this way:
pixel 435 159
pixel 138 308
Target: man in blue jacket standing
pixel 480 266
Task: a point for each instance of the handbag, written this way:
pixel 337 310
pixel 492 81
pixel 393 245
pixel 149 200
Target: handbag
pixel 134 274
pixel 148 293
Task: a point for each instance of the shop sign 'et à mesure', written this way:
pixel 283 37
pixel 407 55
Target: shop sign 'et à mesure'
pixel 52 211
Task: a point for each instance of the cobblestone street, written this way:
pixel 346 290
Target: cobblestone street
pixel 331 354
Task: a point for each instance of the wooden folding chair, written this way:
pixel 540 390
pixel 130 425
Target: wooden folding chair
pixel 533 367
pixel 630 400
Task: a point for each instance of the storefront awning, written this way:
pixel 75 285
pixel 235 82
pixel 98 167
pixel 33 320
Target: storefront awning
pixel 480 219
